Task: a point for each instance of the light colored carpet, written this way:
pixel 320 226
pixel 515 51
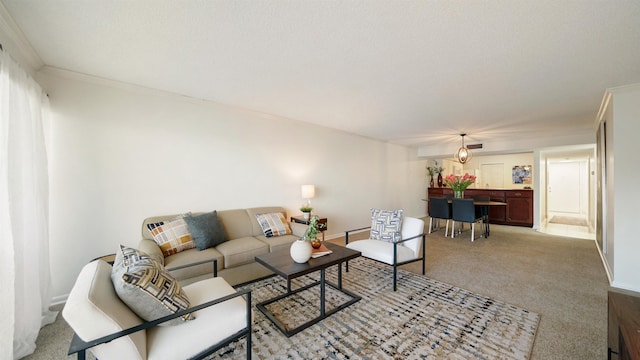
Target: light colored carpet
pixel 559 278
pixel 423 317
pixel 568 220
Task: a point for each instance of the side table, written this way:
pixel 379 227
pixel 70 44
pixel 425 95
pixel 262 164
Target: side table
pixel 322 223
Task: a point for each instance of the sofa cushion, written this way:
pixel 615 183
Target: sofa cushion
pixel 278 242
pixel 241 251
pixel 273 224
pixel 212 324
pixel 172 236
pixel 236 223
pixel 93 310
pixel 386 225
pixel 146 287
pixel 193 256
pixel 206 230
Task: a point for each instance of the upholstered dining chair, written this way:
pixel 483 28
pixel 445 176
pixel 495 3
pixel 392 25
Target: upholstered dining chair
pixel 464 211
pixel 439 209
pixel 409 248
pixel 482 211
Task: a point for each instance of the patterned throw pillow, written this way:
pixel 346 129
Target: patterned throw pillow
pixel 386 225
pixel 172 236
pixel 273 224
pixel 146 287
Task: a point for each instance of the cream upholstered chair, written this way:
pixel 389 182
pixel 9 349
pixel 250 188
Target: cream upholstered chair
pixel 409 248
pixel 108 328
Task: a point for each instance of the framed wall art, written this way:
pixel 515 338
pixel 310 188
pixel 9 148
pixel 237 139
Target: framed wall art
pixel 521 174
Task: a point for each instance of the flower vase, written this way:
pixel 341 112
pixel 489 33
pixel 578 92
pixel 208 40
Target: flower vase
pixel 458 194
pixel 431 182
pixel 439 180
pixel 306 215
pixel 301 251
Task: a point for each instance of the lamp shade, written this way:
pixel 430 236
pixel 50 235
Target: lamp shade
pixel 308 191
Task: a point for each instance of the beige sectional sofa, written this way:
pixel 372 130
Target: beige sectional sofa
pixel 236 256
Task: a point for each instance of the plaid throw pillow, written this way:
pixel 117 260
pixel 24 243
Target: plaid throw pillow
pixel 386 225
pixel 172 236
pixel 273 224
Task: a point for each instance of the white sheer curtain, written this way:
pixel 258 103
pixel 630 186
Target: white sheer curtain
pixel 24 212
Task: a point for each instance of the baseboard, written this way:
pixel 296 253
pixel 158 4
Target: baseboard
pixel 57 300
pixel 604 264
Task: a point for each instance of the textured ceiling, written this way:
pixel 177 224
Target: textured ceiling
pixel 408 72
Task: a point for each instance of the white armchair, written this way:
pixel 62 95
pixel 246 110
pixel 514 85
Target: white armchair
pixel 410 248
pixel 111 330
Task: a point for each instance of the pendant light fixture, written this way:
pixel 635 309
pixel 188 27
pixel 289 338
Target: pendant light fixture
pixel 463 154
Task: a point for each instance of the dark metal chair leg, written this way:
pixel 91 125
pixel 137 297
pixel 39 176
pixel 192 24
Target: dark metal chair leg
pixel 249 322
pixel 395 265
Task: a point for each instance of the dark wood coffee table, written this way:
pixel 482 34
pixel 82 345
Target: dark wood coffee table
pixel 282 264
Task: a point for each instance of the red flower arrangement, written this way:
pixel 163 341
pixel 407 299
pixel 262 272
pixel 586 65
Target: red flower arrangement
pixel 459 183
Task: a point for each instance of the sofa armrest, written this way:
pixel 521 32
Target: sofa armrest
pixel 150 247
pixel 298 229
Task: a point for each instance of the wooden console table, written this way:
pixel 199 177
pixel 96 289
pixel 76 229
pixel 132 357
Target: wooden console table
pixel 623 325
pixel 518 211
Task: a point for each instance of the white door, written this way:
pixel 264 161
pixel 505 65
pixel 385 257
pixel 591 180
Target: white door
pixel 492 176
pixel 563 192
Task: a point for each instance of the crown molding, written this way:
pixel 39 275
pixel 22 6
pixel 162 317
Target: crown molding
pixel 16 44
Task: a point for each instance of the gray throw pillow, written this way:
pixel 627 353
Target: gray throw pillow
pixel 206 229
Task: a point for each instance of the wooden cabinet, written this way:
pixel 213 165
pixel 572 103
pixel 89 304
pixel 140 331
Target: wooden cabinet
pixel 623 338
pixel 519 207
pixel 518 211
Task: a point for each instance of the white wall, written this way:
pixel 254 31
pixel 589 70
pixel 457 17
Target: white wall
pixel 121 153
pixel 623 194
pixel 509 161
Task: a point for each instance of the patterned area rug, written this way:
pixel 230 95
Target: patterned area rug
pixel 568 220
pixel 424 318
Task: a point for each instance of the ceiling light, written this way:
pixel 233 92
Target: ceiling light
pixel 463 154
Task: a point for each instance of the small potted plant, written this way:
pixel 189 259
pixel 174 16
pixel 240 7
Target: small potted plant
pixel 306 211
pixel 312 232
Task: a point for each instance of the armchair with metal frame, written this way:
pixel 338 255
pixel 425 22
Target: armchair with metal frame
pixel 410 248
pixel 113 329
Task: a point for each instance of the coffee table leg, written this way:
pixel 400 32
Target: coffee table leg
pixel 322 312
pixel 340 276
pixel 288 286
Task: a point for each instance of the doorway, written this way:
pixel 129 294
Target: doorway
pixel 568 200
